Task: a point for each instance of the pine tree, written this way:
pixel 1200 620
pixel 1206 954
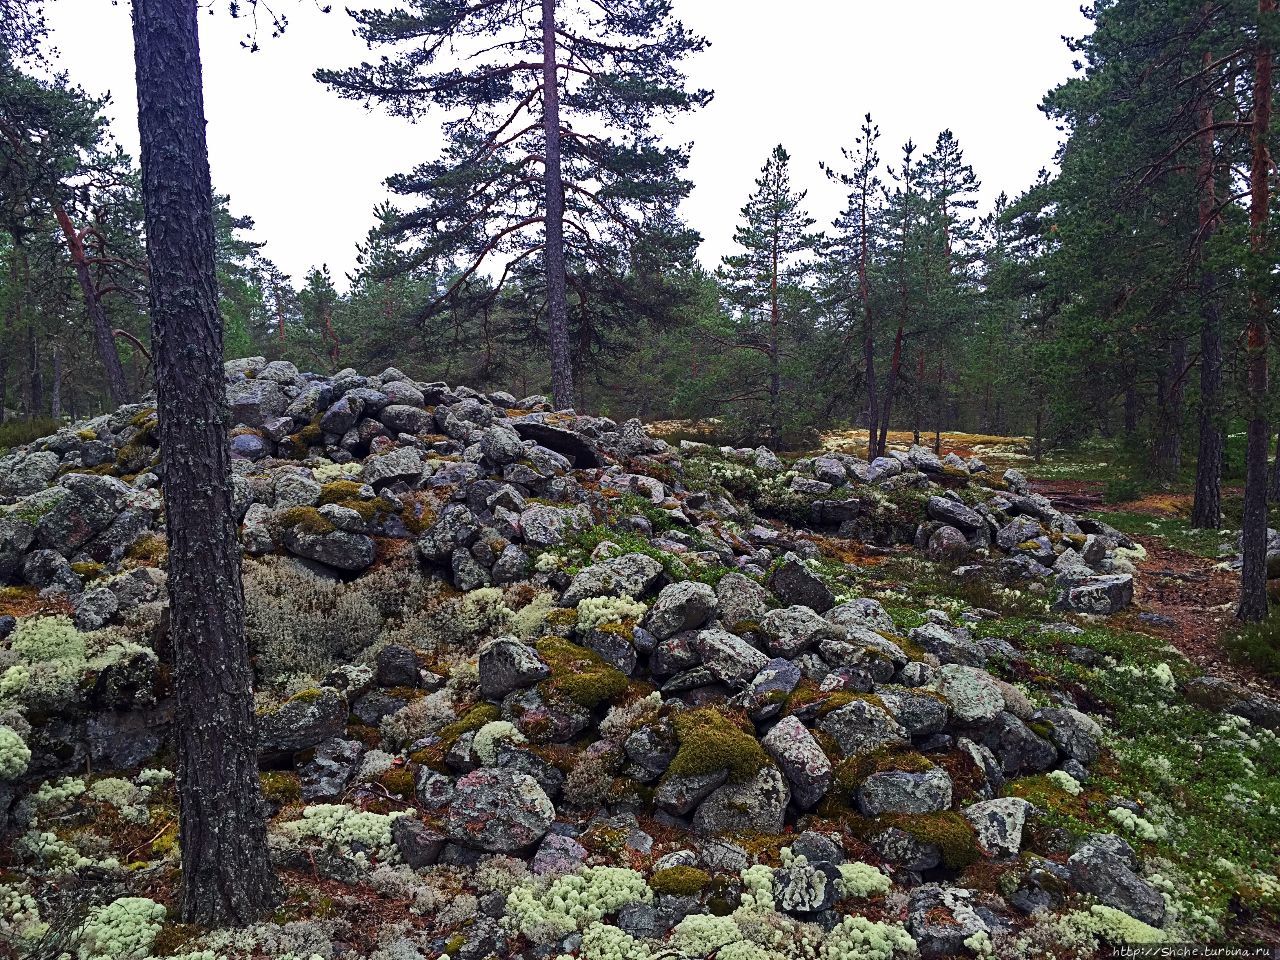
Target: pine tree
pixel 226 870
pixel 854 243
pixel 767 283
pixel 550 152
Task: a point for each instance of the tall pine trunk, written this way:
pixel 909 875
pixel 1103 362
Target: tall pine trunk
pixel 103 338
pixel 1168 458
pixel 1206 508
pixel 12 320
pixel 226 872
pixel 557 295
pixel 1253 574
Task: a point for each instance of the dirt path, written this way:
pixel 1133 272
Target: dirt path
pixel 1179 596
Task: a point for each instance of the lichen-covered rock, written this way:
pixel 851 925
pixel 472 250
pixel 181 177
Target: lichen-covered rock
pixel 860 727
pixel 336 548
pixel 507 664
pixel 998 824
pixel 629 575
pixel 418 845
pixel 499 811
pixel 730 659
pixel 303 721
pixel 941 919
pixel 1105 875
pixel 789 631
pixel 681 606
pixel 806 887
pixel 1074 733
pixel 1102 596
pixel 898 791
pixel 740 601
pixel 973 694
pixel 800 757
pixel 757 805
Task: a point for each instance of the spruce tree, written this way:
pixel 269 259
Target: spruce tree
pixel 550 153
pixel 766 283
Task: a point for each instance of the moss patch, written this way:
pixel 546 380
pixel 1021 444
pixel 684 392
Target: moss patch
pixel 578 675
pixel 711 741
pixel 680 881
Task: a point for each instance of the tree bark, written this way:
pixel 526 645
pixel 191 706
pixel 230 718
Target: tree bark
pixel 1206 508
pixel 775 374
pixel 117 388
pixel 12 320
pixel 226 872
pixel 554 257
pixel 1253 574
pixel 35 378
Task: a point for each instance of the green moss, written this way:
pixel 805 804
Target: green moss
pixel 281 787
pixel 398 780
pixel 304 520
pixel 339 491
pixel 578 675
pixel 680 881
pixel 950 832
pixel 150 550
pixel 711 741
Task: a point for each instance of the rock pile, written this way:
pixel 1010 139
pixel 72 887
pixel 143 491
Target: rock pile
pixel 689 679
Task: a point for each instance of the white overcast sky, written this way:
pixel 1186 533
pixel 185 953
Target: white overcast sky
pixel 309 167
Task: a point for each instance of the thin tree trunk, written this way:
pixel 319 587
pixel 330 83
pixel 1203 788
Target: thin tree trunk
pixel 35 377
pixel 886 409
pixel 12 320
pixel 1206 508
pixel 1253 574
pixel 226 871
pixel 1273 482
pixel 55 394
pixel 557 296
pixel 1169 428
pixel 1130 410
pixel 102 336
pixel 775 376
pixel 868 335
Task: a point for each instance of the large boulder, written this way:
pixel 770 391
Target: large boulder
pixel 998 824
pixel 861 727
pixel 629 575
pixel 1098 595
pixel 305 720
pixel 730 659
pixel 741 601
pixel 498 811
pixel 900 791
pixel 973 694
pixel 680 606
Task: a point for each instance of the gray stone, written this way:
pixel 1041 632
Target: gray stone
pixel 954 514
pixel 507 664
pixel 860 727
pixel 418 845
pixel 1099 595
pixel 795 583
pixel 897 791
pixel 757 805
pixel 630 575
pixel 740 600
pixel 940 919
pixel 1106 875
pixel 303 721
pixel 499 811
pixel 790 631
pixel 800 757
pixel 730 659
pixel 998 824
pixel 972 692
pixel 681 606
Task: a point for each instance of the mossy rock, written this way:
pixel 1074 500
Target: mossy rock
pixel 679 881
pixel 303 519
pixel 398 781
pixel 88 570
pixel 851 773
pixel 339 491
pixel 149 550
pixel 578 675
pixel 950 832
pixel 711 741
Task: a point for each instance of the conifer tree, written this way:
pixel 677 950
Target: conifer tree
pixel 550 150
pixel 766 283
